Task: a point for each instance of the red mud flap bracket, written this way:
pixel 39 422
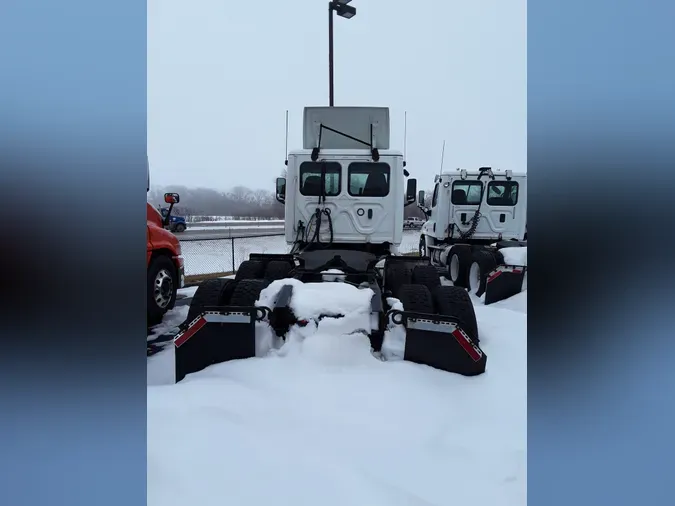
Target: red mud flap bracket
pixel 216 335
pixel 504 282
pixel 438 341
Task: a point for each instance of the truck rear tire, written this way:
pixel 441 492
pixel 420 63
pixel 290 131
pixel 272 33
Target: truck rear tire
pixel 395 276
pixel 162 288
pixel 454 301
pixel 250 269
pixel 416 298
pixel 426 275
pixel 247 292
pixel 277 269
pixel 212 292
pixel 483 263
pixel 180 228
pixel 459 262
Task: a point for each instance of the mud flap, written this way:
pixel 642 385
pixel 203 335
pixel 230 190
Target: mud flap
pixel 504 282
pixel 217 335
pixel 439 342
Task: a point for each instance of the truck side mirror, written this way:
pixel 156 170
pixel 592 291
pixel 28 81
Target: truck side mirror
pixel 420 198
pixel 171 198
pixel 410 192
pixel 281 189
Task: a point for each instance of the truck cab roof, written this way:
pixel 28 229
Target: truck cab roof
pixel 475 173
pixel 337 153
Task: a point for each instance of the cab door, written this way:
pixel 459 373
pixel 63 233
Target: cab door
pixel 370 200
pixel 313 194
pixel 466 196
pixel 503 199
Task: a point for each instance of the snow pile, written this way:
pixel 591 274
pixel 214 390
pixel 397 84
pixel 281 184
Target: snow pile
pixel 170 323
pixel 393 344
pixel 331 275
pixel 338 317
pixel 517 256
pixel 319 420
pixel 514 256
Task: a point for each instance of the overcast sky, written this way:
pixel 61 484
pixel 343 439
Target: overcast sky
pixel 221 75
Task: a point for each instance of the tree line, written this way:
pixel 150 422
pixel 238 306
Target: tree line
pixel 199 204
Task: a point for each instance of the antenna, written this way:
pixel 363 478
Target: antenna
pixel 286 151
pixel 405 137
pixel 442 159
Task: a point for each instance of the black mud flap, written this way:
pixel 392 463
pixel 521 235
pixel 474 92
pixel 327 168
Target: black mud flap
pixel 504 282
pixel 439 342
pixel 216 335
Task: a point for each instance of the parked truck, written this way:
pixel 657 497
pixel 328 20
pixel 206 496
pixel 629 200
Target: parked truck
pixel 474 215
pixel 413 223
pixel 166 272
pixel 344 196
pixel 176 224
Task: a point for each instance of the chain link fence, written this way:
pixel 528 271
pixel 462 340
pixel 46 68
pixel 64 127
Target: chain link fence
pixel 217 257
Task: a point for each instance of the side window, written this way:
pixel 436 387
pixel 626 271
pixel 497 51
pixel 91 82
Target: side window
pixel 369 179
pixel 502 193
pixel 434 199
pixel 467 193
pixel 310 178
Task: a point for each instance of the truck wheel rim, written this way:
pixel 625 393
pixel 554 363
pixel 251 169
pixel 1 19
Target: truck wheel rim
pixel 163 289
pixel 454 268
pixel 474 277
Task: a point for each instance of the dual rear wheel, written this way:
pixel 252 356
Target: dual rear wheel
pixel 423 293
pixel 251 278
pixel 469 267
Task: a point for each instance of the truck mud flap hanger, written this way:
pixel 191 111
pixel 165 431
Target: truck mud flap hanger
pixel 439 341
pixel 221 334
pixel 217 335
pixel 503 282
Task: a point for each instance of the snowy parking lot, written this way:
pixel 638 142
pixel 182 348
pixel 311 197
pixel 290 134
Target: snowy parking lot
pixel 321 420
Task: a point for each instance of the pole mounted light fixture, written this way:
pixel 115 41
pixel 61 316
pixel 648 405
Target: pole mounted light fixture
pixel 343 10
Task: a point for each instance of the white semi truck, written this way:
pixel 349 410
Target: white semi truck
pixel 473 215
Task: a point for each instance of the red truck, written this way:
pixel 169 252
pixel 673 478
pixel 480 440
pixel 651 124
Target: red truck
pixel 166 272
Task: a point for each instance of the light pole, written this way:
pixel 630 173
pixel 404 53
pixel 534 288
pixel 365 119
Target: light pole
pixel 346 11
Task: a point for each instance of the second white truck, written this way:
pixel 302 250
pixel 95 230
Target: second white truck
pixel 473 215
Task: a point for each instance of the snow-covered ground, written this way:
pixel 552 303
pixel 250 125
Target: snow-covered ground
pixel 215 255
pixel 320 420
pixel 228 227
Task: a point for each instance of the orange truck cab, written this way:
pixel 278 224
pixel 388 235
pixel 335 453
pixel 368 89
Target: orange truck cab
pixel 166 272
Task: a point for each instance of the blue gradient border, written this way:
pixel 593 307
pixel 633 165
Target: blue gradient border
pixel 72 174
pixel 72 153
pixel 601 163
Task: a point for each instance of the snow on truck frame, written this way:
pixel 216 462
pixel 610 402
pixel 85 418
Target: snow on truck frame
pixel 344 197
pixel 474 215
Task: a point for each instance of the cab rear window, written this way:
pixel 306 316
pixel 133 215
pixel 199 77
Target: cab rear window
pixel 310 178
pixel 369 179
pixel 467 193
pixel 502 193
